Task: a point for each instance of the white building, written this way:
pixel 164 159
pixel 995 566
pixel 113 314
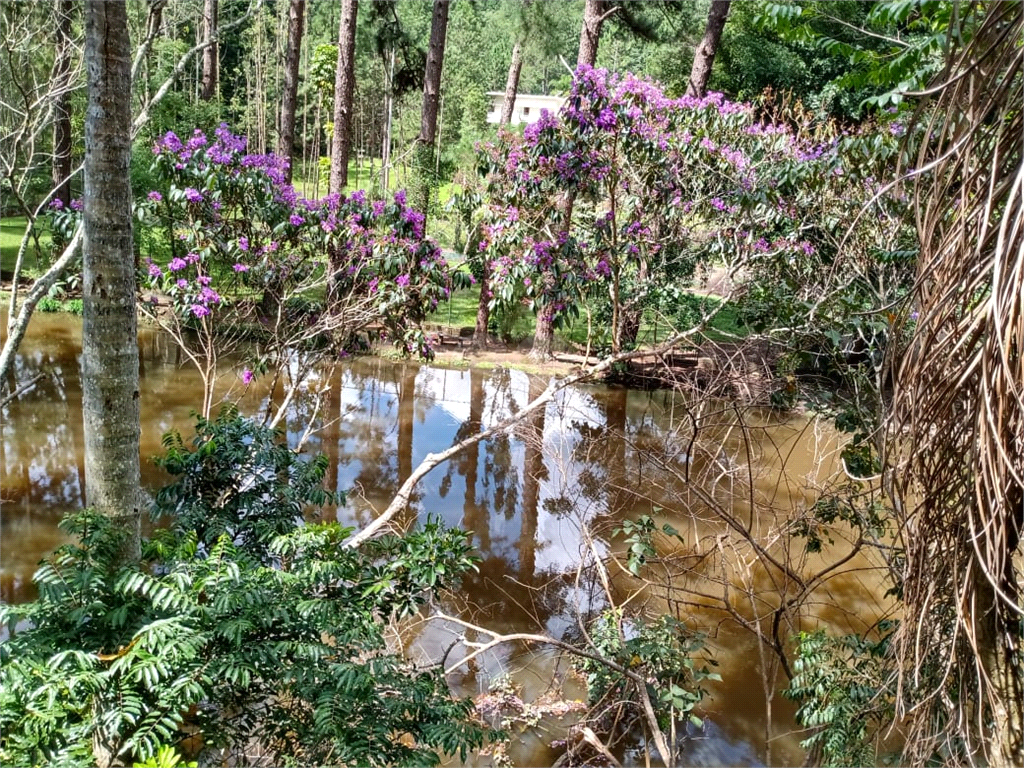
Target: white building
pixel 527 108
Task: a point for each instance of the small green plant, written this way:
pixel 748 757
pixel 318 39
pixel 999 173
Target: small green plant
pixel 639 535
pixel 844 687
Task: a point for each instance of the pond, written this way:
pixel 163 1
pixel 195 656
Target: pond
pixel 537 500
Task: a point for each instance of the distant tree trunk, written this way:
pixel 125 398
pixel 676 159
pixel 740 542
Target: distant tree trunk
pixel 511 85
pixel 704 56
pixel 290 86
pixel 110 352
pixel 431 101
pixel 483 307
pixel 210 54
pixel 344 89
pixel 61 167
pixel 590 32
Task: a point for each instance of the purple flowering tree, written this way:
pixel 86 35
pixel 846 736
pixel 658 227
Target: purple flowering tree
pixel 623 197
pixel 248 260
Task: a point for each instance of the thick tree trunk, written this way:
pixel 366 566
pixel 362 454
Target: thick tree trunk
pixel 210 53
pixel 704 56
pixel 431 101
pixel 290 86
pixel 110 352
pixel 512 85
pixel 61 167
pixel 590 32
pixel 344 89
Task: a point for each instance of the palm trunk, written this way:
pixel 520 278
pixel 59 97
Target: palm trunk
pixel 62 103
pixel 704 56
pixel 344 89
pixel 290 86
pixel 511 85
pixel 110 352
pixel 431 102
pixel 210 53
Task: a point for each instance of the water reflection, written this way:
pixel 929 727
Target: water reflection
pixel 531 498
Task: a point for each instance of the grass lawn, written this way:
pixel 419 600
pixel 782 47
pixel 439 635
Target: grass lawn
pixel 12 228
pixel 460 312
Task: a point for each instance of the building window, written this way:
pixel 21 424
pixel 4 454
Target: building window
pixel 526 111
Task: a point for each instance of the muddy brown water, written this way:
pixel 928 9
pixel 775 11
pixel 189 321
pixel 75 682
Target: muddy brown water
pixel 536 500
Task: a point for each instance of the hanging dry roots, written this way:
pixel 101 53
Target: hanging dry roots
pixel 959 417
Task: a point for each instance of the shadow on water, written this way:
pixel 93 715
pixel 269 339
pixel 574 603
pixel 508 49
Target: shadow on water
pixel 529 497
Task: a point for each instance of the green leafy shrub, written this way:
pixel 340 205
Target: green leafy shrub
pixel 240 626
pixel 845 690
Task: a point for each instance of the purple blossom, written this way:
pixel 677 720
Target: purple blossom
pixel 402 281
pixel 606 120
pixel 295 220
pixel 182 283
pixel 203 280
pixel 241 268
pixel 243 243
pixel 199 310
pixel 169 142
pixel 56 204
pixel 177 264
pixel 193 195
pixel 76 204
pixel 247 376
pixel 197 141
pixel 358 197
pixel 155 271
pixel 400 197
pixel 209 296
pixel 155 196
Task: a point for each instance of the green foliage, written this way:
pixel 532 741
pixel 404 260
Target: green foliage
pixel 661 652
pixel 639 536
pixel 869 518
pixel 51 304
pixel 845 688
pixel 241 481
pixel 241 626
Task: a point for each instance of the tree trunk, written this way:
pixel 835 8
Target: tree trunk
pixel 110 352
pixel 511 85
pixel 210 53
pixel 590 32
pixel 544 332
pixel 431 102
pixel 61 167
pixel 534 474
pixel 704 56
pixel 290 86
pixel 406 419
pixel 344 89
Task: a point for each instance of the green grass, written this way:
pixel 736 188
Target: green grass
pixel 460 312
pixel 12 228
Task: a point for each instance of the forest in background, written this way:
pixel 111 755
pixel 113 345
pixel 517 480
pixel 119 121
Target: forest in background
pixel 827 198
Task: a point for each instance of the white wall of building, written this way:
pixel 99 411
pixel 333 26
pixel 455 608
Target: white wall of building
pixel 527 108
